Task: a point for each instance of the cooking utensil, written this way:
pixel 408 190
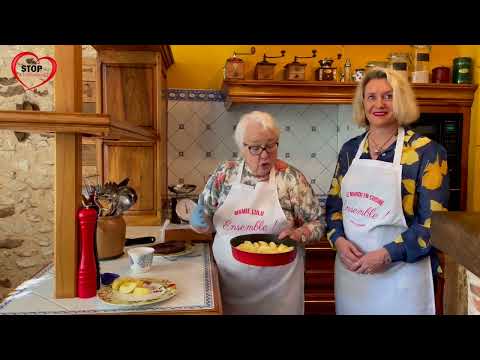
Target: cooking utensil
pixel 127 197
pixel 263 259
pixel 140 240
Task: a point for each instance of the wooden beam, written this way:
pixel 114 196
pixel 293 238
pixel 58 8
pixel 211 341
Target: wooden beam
pixel 68 182
pixel 68 171
pixel 85 123
pixel 457 234
pixel 330 92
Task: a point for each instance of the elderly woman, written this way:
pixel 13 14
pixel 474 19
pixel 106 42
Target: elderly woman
pixel 287 206
pixel 386 185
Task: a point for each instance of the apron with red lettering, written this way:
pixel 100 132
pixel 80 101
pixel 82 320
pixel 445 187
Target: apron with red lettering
pixel 249 289
pixel 373 217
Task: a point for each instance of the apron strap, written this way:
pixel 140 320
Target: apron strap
pixel 398 146
pixel 238 176
pixel 360 148
pixel 272 178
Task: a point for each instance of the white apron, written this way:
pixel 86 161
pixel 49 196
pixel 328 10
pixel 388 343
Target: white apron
pixel 373 217
pixel 249 289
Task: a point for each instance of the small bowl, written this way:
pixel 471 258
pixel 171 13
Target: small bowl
pixel 182 189
pixel 108 278
pixel 263 259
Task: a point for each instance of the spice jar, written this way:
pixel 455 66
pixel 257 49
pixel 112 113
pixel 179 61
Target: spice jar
pixel 462 70
pixel 421 63
pixel 399 62
pixel 441 74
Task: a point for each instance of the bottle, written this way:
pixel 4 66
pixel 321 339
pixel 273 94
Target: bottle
pixel 87 269
pixel 347 71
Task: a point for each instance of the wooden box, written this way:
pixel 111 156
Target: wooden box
pixel 295 71
pixel 234 69
pixel 264 70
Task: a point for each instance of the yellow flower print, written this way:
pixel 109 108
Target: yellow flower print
pixel 409 185
pixel 335 188
pixel 336 216
pixel 365 147
pixel 408 200
pixel 408 135
pixel 439 269
pixel 407 203
pixel 422 141
pixel 422 243
pixel 436 206
pixel 398 240
pixel 329 235
pixel 409 156
pixel 427 223
pixel 433 176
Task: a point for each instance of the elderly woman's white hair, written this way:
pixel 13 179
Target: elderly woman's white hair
pixel 405 109
pixel 263 118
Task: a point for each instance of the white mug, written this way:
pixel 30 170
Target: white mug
pixel 140 259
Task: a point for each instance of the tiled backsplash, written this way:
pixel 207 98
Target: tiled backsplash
pixel 200 133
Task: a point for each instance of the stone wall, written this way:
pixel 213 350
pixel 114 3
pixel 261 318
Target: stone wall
pixel 26 180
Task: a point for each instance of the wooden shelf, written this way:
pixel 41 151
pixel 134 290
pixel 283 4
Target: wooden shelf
pixel 98 125
pixel 327 92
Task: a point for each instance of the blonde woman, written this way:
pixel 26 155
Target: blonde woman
pixel 386 185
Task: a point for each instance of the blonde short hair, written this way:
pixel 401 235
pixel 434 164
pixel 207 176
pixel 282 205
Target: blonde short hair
pixel 263 118
pixel 405 108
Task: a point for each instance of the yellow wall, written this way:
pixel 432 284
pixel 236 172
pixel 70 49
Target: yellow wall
pixel 201 66
pixel 473 199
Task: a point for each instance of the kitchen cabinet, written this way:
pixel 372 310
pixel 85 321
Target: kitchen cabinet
pixel 319 277
pixel 132 87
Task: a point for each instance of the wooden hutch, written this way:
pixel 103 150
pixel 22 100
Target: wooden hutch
pixel 432 98
pixel 129 75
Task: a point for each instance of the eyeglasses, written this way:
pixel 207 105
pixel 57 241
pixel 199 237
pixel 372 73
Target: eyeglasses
pixel 258 149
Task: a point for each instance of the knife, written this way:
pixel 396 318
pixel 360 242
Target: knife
pixel 140 240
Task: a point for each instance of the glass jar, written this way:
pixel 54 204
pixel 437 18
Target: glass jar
pixel 462 70
pixel 400 63
pixel 421 63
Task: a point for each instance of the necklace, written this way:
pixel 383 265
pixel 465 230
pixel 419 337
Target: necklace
pixel 379 149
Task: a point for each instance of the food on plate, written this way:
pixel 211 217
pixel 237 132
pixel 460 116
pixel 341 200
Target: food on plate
pixel 262 247
pixel 136 290
pixel 169 247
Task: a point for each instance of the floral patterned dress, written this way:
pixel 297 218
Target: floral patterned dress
pixel 425 183
pixel 302 208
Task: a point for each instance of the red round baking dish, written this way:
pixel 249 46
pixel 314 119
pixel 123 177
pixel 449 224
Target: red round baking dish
pixel 263 259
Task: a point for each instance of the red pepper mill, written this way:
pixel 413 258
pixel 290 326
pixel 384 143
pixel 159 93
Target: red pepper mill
pixel 87 270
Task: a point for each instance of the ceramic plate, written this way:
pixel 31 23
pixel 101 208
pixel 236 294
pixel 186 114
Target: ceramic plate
pixel 111 297
pixel 188 250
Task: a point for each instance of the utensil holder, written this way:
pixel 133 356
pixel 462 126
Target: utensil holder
pixel 110 236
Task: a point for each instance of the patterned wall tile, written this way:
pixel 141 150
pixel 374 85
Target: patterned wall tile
pixel 311 136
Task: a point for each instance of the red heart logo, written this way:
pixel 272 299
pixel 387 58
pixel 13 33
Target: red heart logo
pixel 17 58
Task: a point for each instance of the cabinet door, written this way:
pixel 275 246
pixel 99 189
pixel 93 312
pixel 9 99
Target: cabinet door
pixel 129 93
pixel 135 160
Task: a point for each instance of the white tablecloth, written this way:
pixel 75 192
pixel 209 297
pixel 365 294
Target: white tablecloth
pixel 192 274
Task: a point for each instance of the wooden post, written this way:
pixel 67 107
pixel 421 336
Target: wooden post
pixel 457 235
pixel 68 170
